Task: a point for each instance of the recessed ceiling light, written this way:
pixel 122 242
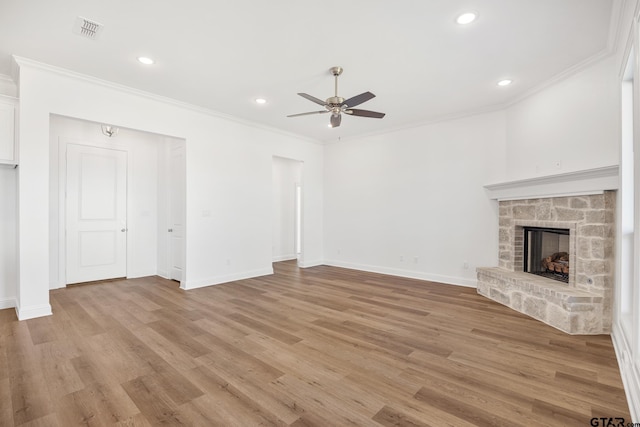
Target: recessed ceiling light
pixel 145 60
pixel 505 82
pixel 261 101
pixel 466 18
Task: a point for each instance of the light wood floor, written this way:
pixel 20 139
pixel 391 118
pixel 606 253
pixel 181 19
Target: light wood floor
pixel 322 346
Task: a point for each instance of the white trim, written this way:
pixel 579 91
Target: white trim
pixel 617 12
pixel 577 68
pixel 217 280
pixel 10 99
pixel 7 302
pixel 628 370
pixel 63 142
pixel 26 62
pixel 617 15
pixel 26 313
pixel 589 181
pixel 284 258
pixel 7 79
pixel 447 280
pixel 308 264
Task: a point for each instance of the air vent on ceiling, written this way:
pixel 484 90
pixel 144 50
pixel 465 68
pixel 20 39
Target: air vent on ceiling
pixel 87 28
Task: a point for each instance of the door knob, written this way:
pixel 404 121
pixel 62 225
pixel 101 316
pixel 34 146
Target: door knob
pixel 123 230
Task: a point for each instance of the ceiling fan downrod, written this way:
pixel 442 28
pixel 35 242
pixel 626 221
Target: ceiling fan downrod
pixel 335 102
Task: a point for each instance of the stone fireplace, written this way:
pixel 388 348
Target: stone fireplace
pixel 583 305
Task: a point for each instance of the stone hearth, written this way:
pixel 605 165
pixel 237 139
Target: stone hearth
pixel 584 305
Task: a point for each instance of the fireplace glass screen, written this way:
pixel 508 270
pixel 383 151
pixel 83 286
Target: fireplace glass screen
pixel 546 252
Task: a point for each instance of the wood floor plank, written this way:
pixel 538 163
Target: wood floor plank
pixel 463 410
pixel 6 407
pixel 154 403
pixel 232 390
pixel 97 404
pixel 390 417
pixel 320 346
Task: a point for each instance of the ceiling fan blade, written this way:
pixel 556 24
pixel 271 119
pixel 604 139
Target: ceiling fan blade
pixel 358 99
pixel 313 99
pixel 364 113
pixel 335 120
pixel 309 113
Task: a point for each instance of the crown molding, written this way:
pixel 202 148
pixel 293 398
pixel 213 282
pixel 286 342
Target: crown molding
pixel 617 14
pixel 615 32
pixel 10 99
pixel 26 62
pixel 416 124
pixel 6 79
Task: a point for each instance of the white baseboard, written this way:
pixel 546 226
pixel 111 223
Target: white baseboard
pixel 201 283
pixel 7 302
pixel 449 280
pixel 307 264
pixel 142 273
pixel 56 285
pixel 26 313
pixel 284 258
pixel 628 370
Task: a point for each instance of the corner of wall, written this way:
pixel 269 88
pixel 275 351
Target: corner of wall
pixel 628 370
pixel 217 280
pixel 26 313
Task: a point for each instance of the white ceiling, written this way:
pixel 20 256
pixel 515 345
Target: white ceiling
pixel 222 54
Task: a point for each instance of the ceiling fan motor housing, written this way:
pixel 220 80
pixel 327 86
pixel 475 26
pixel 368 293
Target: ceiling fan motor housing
pixel 334 104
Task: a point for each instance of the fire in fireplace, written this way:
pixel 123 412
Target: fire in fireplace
pixel 546 252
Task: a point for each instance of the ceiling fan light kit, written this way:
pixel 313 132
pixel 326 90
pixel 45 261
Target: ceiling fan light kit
pixel 336 105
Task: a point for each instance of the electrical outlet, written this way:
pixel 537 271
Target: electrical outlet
pixel 228 261
pixel 401 258
pixel 415 259
pixel 465 265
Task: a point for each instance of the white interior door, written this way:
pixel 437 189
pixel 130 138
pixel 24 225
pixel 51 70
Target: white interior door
pixel 176 210
pixel 96 210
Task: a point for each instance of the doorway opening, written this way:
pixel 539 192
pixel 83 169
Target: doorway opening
pixel 142 220
pixel 287 210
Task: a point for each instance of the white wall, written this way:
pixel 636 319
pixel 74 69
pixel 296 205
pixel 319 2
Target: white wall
pixel 142 193
pixel 287 173
pixel 416 193
pixel 229 169
pixel 8 236
pixel 569 126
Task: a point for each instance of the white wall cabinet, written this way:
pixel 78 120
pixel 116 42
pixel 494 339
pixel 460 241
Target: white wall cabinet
pixel 8 107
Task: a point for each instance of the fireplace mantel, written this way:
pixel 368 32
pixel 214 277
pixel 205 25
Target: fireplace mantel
pixel 580 183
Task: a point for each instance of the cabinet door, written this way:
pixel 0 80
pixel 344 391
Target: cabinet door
pixel 7 124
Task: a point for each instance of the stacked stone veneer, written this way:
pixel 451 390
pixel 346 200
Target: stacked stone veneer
pixel 584 305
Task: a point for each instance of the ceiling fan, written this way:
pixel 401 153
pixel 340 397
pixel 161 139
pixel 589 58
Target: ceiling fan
pixel 337 105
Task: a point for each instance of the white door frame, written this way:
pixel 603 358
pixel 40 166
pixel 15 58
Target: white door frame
pixel 62 212
pixel 178 146
pixel 112 227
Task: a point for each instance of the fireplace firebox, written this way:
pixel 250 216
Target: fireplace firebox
pixel 546 252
